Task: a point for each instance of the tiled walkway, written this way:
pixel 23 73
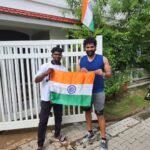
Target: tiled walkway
pixel 128 134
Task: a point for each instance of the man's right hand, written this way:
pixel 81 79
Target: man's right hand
pixel 43 75
pixel 49 71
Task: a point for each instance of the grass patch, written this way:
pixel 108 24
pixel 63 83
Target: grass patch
pixel 126 104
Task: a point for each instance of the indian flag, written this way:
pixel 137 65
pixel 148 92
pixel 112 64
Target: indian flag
pixel 87 14
pixel 71 88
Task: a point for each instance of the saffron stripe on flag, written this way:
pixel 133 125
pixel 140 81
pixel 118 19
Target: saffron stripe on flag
pixel 84 8
pixel 72 78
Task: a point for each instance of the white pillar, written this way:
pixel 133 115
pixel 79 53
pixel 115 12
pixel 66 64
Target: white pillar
pixel 99 44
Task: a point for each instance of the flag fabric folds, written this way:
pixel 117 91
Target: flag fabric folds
pixel 71 88
pixel 87 14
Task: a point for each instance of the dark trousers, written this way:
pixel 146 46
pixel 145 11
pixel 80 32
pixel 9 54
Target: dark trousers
pixel 44 115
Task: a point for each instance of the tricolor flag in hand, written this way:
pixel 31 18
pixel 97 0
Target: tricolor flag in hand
pixel 87 14
pixel 71 88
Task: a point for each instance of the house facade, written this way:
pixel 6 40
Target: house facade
pixel 35 20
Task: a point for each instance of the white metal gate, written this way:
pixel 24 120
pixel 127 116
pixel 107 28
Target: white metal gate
pixel 19 95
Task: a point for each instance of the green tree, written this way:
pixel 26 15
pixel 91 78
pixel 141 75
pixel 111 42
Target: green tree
pixel 137 23
pixel 123 38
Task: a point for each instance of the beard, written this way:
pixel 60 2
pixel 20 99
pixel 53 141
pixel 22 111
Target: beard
pixel 90 53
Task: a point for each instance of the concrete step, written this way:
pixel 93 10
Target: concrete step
pixel 138 83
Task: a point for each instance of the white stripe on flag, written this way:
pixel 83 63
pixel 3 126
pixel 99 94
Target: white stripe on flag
pixel 77 89
pixel 88 17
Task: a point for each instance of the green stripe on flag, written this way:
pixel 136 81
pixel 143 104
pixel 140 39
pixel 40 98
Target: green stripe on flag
pixel 91 27
pixel 76 100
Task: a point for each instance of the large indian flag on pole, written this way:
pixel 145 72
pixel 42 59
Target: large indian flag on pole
pixel 71 88
pixel 87 14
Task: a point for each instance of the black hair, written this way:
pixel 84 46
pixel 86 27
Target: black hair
pixel 90 40
pixel 57 49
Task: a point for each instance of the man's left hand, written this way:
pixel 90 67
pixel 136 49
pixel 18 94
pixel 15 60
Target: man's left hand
pixel 99 72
